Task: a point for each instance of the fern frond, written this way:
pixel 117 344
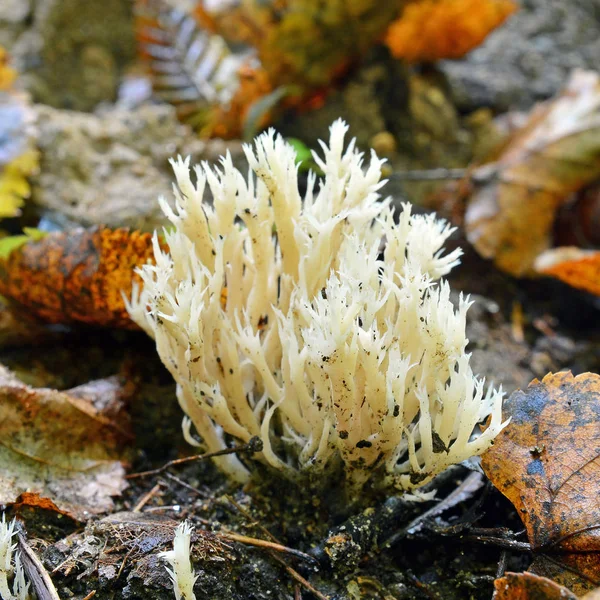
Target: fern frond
pixel 191 68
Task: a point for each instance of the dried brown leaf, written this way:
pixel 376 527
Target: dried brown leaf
pixel 547 461
pixel 577 571
pixel 526 586
pixel 509 217
pixel 59 446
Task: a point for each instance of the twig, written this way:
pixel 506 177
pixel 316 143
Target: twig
pixel 172 507
pixel 90 595
pixel 187 486
pixel 61 565
pixel 250 541
pixel 465 490
pixel 146 498
pixel 502 564
pixel 500 542
pixel 35 570
pixel 291 572
pixel 254 445
pixel 423 586
pixel 124 561
pixel 295 575
pixel 428 174
pixel 253 522
pixel 496 532
pixel 517 320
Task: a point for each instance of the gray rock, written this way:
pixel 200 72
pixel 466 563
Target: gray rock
pixel 110 168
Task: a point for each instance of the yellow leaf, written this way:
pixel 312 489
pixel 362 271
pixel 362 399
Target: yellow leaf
pixel 14 187
pixel 7 74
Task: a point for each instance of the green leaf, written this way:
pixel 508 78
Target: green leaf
pixel 13 242
pixel 303 152
pixel 260 108
pixel 303 156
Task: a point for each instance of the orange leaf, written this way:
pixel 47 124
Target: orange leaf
pixel 526 586
pixel 547 461
pixel 32 502
pixel 77 275
pixel 430 30
pixel 578 268
pixel 509 218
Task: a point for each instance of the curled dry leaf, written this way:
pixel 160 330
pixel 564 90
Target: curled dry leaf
pixel 77 276
pixel 60 447
pixel 510 215
pixel 576 267
pixel 430 30
pixel 527 586
pixel 547 461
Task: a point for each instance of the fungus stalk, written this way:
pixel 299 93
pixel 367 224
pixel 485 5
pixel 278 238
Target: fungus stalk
pixel 318 323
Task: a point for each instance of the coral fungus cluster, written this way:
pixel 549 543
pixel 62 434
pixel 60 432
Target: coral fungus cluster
pixel 317 323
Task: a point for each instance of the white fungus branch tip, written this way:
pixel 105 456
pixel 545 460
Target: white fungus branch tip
pixel 181 571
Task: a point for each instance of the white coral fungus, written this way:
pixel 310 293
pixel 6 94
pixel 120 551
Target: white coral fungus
pixel 316 323
pixel 181 571
pixel 20 589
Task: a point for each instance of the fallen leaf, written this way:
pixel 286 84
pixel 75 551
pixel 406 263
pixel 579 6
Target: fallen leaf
pixel 547 461
pixel 510 215
pixel 77 275
pixel 578 221
pixel 42 516
pixel 230 120
pixel 60 447
pixel 526 586
pixel 576 267
pixel 34 500
pixel 576 571
pixel 14 183
pixel 12 242
pixel 430 30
